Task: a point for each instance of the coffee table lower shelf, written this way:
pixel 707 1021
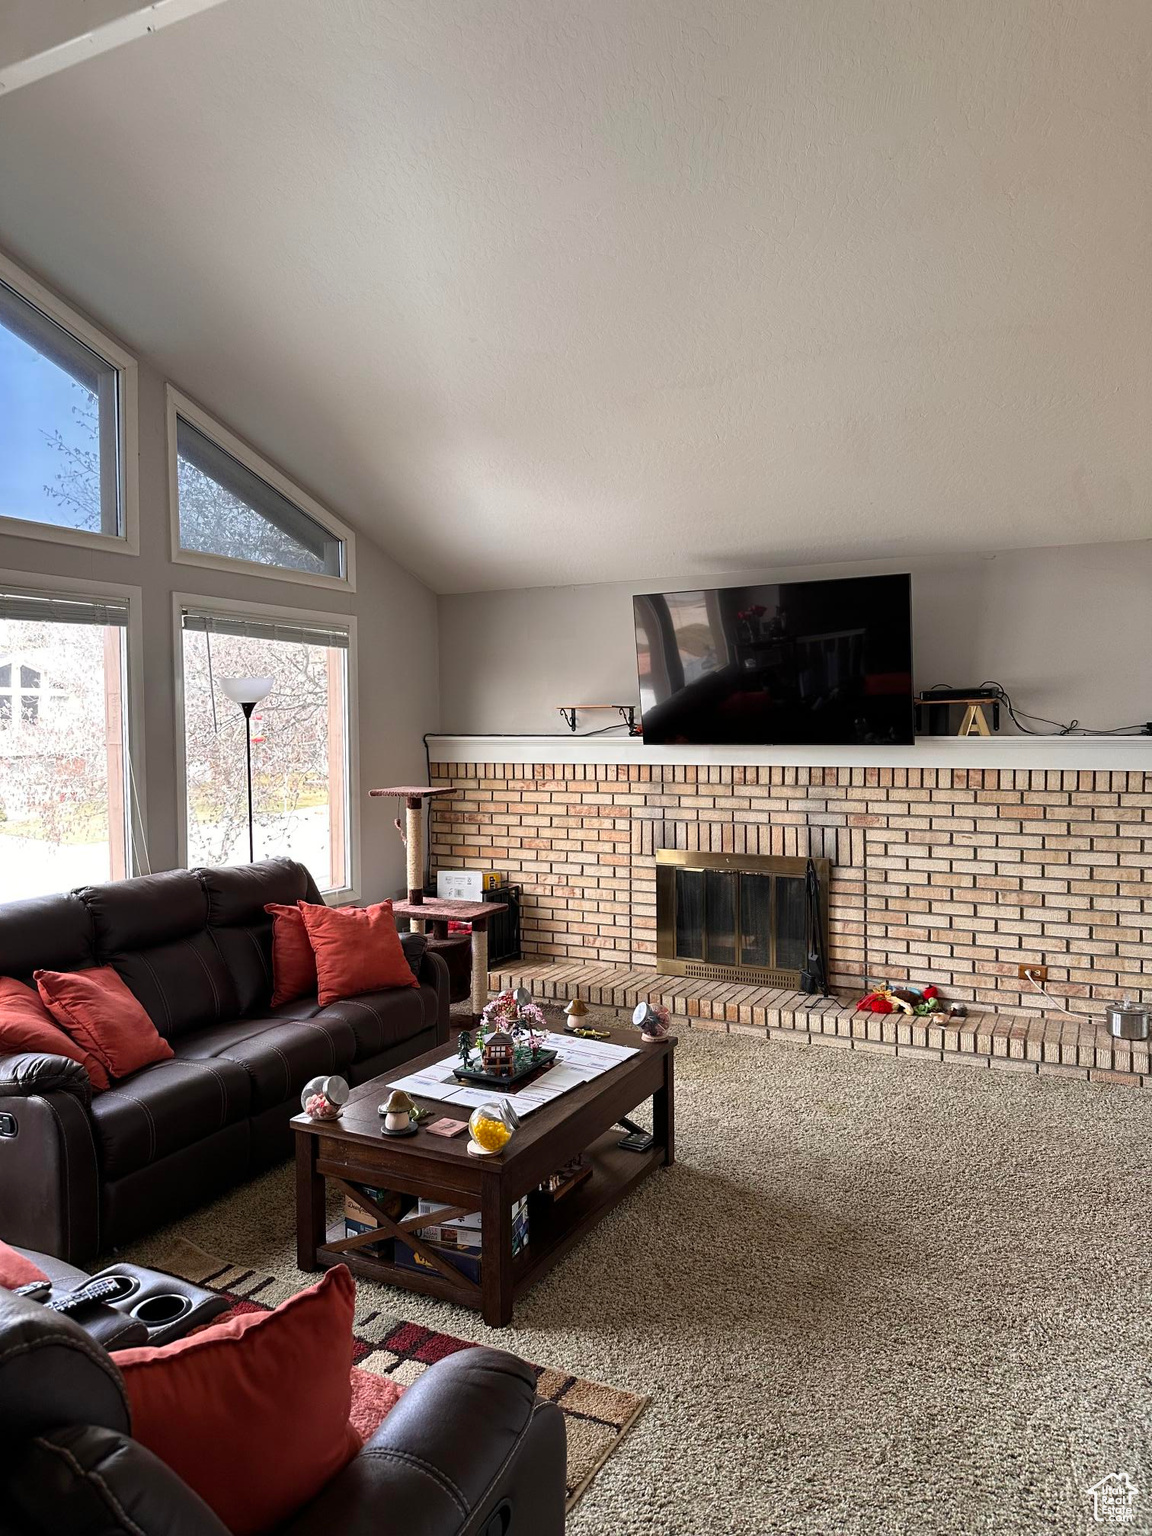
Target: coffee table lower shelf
pixel 553 1227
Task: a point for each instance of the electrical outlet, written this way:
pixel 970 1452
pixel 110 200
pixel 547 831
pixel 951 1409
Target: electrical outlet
pixel 1033 973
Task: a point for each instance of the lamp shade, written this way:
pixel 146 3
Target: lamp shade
pixel 246 690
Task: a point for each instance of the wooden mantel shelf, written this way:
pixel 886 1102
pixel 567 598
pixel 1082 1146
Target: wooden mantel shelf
pixel 1101 753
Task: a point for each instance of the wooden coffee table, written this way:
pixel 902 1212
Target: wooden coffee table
pixel 352 1151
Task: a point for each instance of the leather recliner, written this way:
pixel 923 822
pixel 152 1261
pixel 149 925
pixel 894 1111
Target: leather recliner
pixel 469 1450
pixel 82 1172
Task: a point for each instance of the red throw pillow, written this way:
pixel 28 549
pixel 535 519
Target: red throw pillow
pixel 293 963
pixel 26 1025
pixel 16 1270
pixel 357 949
pixel 102 1016
pixel 253 1412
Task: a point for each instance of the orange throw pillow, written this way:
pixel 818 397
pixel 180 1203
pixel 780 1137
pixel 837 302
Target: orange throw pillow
pixel 293 963
pixel 16 1270
pixel 102 1016
pixel 253 1412
pixel 26 1025
pixel 357 949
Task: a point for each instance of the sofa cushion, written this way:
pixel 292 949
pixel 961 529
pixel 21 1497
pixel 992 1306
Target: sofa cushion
pixel 293 963
pixel 104 1018
pixel 253 1412
pixel 183 985
pixel 246 950
pixel 240 895
pixel 357 950
pixel 379 1020
pixel 279 1054
pixel 164 1108
pixel 17 1269
pixel 241 928
pixel 138 914
pixel 27 1026
pixel 52 933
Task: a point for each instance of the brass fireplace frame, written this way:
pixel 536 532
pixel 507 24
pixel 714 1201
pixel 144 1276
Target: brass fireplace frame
pixel 668 963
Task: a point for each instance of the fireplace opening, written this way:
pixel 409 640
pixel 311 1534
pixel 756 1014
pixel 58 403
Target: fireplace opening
pixel 734 916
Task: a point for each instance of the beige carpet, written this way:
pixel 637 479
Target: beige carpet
pixel 872 1296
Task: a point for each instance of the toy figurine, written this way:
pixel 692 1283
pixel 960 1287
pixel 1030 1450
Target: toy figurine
pixel 398 1111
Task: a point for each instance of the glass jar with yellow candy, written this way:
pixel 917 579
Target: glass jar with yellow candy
pixel 491 1126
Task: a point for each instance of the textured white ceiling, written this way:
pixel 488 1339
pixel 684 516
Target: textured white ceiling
pixel 539 291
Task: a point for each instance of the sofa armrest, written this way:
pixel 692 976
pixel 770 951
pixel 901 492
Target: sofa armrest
pixel 469 1450
pixel 433 973
pixel 49 1183
pixel 34 1072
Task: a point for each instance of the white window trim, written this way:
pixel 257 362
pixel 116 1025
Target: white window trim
pixel 139 858
pixel 231 606
pixel 127 542
pixel 180 405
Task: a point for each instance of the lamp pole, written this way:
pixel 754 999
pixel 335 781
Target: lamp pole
pixel 247 692
pixel 248 708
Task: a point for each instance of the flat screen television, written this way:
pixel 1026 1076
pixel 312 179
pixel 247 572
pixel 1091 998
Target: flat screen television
pixel 798 662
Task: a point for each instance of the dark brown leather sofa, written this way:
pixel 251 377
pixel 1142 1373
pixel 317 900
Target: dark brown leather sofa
pixel 468 1451
pixel 81 1173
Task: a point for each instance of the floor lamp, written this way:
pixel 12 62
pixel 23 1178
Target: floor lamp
pixel 247 692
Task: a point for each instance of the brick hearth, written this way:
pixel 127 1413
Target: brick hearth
pixel 956 876
pixel 1051 1045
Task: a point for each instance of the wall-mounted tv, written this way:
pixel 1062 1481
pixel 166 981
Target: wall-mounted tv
pixel 801 662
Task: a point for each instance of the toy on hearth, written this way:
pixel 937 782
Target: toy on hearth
pixel 909 1000
pixel 879 1000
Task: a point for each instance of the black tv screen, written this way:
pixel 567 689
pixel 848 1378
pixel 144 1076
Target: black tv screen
pixel 800 662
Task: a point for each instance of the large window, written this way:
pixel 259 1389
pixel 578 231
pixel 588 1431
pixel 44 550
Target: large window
pixel 65 395
pixel 233 507
pixel 299 741
pixel 65 780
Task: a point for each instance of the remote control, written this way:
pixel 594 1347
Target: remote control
pixel 95 1290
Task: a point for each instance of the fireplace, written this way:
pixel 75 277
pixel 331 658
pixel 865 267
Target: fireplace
pixel 739 917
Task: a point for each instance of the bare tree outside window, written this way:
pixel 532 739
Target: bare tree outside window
pixel 61 770
pixel 213 520
pixel 298 754
pixel 75 485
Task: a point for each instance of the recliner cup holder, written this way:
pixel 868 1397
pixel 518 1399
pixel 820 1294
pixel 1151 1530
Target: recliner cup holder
pixel 163 1310
pixel 126 1285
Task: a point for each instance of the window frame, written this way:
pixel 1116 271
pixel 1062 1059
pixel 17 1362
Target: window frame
pixel 178 404
pixel 138 859
pixel 233 608
pixel 127 541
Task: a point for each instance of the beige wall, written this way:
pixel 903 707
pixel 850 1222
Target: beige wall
pixel 396 617
pixel 1068 631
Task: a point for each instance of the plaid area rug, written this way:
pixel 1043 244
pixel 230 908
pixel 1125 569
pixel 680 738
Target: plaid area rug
pixel 389 1354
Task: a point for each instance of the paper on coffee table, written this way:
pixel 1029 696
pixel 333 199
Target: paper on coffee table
pixel 578 1061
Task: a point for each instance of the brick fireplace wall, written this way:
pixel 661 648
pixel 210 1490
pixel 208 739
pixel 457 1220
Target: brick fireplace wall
pixel 956 876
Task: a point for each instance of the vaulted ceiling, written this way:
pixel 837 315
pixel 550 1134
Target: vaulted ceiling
pixel 541 291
